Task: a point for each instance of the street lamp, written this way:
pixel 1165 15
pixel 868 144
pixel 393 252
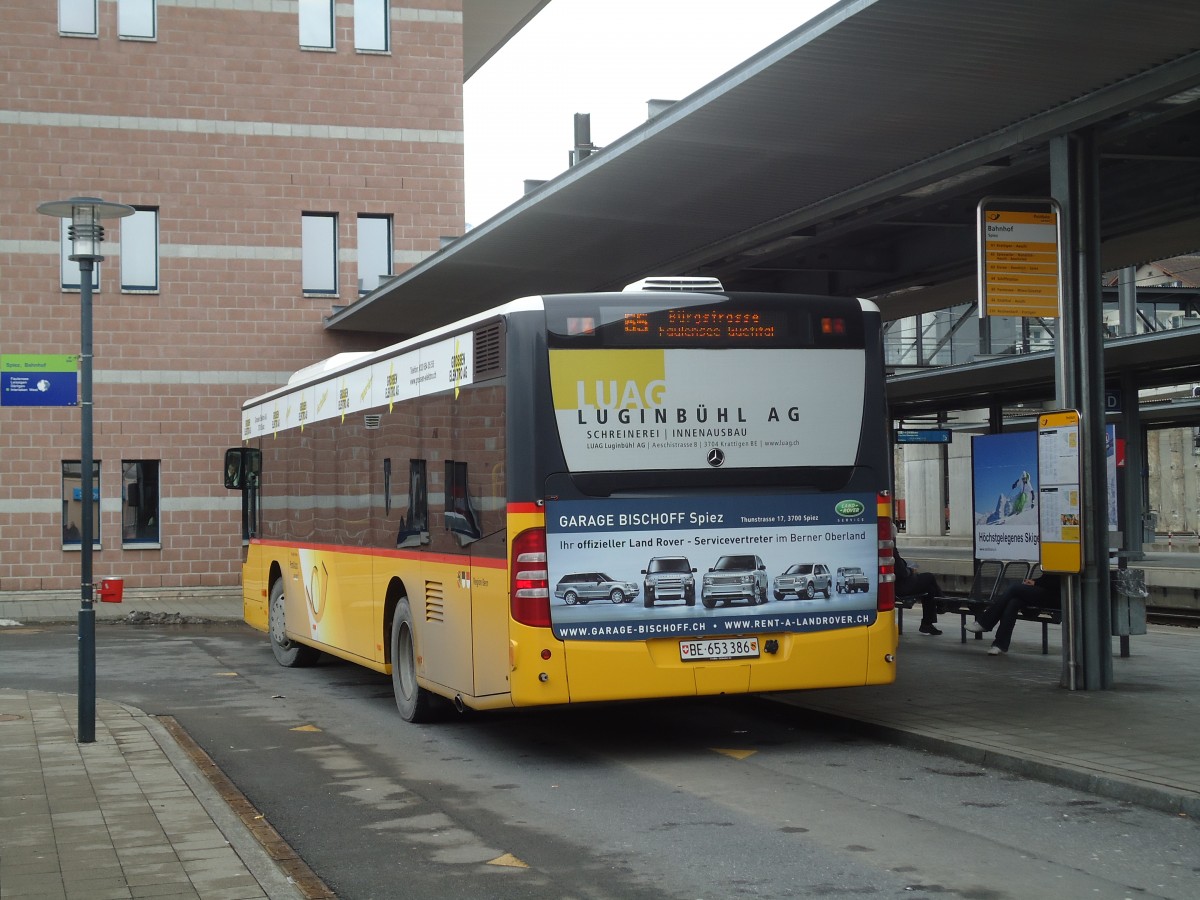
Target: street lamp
pixel 86 235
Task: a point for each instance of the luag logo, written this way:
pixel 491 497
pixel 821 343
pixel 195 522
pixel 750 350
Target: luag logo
pixel 849 509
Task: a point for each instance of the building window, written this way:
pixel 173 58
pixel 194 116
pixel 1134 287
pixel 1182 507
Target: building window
pixel 139 501
pixel 316 24
pixel 69 268
pixel 72 502
pixel 371 21
pixel 374 251
pixel 137 19
pixel 139 250
pixel 77 18
pixel 318 253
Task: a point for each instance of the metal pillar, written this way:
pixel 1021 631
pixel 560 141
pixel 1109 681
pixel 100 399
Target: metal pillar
pixel 87 612
pixel 86 235
pixel 1074 169
pixel 1127 300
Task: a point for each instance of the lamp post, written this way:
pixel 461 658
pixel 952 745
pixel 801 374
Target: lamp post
pixel 86 235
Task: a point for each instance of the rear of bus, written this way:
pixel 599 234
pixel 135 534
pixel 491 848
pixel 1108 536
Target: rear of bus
pixel 668 433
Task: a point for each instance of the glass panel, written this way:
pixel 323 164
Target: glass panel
pixel 72 502
pixel 371 24
pixel 77 17
pixel 316 23
pixel 139 501
pixel 70 269
pixel 374 251
pixel 139 251
pixel 136 18
pixel 414 527
pixel 319 253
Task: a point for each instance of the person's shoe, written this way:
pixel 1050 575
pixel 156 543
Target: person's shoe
pixel 974 628
pixel 929 629
pixel 995 651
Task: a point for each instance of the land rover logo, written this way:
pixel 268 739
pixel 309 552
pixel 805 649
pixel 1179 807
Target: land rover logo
pixel 849 508
pixel 716 457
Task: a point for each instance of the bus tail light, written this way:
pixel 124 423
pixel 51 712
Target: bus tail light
pixel 886 599
pixel 831 325
pixel 529 584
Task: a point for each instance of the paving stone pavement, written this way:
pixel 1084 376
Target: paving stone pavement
pixel 128 815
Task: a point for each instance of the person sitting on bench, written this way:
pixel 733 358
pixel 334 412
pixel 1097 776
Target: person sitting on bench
pixel 911 583
pixel 1042 591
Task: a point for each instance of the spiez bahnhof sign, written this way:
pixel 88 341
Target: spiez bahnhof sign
pixel 38 379
pixel 1019 263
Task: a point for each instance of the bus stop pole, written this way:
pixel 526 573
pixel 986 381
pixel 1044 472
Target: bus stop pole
pixel 1080 369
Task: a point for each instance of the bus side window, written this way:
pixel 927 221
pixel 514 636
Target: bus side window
pixel 460 516
pixel 414 526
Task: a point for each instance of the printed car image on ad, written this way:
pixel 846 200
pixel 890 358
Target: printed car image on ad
pixel 681 567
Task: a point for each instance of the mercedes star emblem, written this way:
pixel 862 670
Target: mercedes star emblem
pixel 716 457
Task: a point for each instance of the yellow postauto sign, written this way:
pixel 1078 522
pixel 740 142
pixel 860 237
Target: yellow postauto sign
pixel 1018 263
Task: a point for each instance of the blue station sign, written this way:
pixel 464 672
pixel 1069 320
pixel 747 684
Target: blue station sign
pixel 28 379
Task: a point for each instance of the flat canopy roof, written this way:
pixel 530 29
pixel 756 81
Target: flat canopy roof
pixel 849 157
pixel 1152 360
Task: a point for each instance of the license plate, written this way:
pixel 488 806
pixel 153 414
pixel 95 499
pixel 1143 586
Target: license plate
pixel 719 648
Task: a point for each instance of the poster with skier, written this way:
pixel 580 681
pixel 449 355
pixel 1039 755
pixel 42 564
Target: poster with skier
pixel 1004 491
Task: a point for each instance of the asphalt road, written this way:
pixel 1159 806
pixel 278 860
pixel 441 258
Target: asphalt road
pixel 701 799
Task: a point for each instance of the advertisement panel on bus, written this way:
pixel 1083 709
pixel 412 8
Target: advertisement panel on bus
pixel 633 569
pixel 633 409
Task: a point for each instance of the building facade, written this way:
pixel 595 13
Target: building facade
pixel 281 157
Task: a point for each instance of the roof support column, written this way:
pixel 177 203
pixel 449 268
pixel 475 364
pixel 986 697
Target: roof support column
pixel 1074 183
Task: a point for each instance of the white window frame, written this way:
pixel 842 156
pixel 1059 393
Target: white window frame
pixel 137 20
pixel 139 251
pixel 77 18
pixel 69 276
pixel 318 253
pixel 316 24
pixel 372 26
pixel 374 251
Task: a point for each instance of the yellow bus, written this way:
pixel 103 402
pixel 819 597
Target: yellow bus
pixel 587 497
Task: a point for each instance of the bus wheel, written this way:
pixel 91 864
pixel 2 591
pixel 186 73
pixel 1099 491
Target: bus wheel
pixel 570 597
pixel 287 652
pixel 617 596
pixel 414 702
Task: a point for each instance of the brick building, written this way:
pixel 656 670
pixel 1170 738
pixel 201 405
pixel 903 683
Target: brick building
pixel 281 157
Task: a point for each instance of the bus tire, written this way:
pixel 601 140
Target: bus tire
pixel 414 702
pixel 287 652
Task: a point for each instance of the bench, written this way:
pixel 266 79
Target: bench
pixel 992 578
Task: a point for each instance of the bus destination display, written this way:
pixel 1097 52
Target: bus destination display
pixel 699 323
